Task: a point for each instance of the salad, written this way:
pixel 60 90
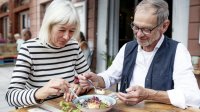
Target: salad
pixel 67 107
pixel 94 103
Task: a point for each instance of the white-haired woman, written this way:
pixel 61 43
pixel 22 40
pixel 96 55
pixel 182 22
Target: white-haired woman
pixel 46 66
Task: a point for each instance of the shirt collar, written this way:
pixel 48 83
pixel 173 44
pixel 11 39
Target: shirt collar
pixel 157 45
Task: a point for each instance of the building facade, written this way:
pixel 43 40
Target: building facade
pixel 194 29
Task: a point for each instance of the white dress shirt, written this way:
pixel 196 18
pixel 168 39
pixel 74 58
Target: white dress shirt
pixel 185 92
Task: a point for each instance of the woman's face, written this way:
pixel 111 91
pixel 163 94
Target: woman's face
pixel 61 34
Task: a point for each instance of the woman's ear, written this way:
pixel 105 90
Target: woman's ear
pixel 165 26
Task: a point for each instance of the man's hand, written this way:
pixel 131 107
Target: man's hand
pixel 134 95
pixel 88 76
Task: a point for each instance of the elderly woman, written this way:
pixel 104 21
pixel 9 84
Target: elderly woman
pixel 46 66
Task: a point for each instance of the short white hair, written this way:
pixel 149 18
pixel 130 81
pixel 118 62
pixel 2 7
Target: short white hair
pixel 160 6
pixel 58 12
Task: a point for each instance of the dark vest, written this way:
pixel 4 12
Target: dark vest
pixel 159 76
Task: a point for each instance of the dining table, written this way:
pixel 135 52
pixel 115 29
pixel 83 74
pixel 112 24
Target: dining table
pixel 144 106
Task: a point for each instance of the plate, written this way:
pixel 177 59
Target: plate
pixel 104 98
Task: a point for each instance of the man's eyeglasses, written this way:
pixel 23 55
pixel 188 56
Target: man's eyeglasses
pixel 145 31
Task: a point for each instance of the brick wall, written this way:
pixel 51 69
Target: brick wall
pixel 194 25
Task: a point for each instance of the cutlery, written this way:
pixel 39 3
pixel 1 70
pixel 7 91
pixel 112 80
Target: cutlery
pixel 113 95
pixel 91 84
pixel 80 100
pixel 96 90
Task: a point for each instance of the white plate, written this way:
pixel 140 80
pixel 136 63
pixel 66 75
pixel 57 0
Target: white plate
pixel 103 98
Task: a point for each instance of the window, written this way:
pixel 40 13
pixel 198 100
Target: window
pixel 24 20
pixel 21 2
pixel 4 8
pixel 81 9
pixel 5 27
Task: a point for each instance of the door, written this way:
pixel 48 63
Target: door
pixel 127 8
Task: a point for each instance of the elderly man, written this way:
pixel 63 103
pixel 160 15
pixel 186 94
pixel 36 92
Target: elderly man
pixel 152 67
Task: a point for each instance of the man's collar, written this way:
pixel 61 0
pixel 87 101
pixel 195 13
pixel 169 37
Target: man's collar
pixel 157 45
pixel 159 42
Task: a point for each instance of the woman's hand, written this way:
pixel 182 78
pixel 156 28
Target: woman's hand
pixel 53 87
pixel 134 95
pixel 68 96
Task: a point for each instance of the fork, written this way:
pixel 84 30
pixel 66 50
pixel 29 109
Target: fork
pixel 113 95
pixel 91 84
pixel 78 98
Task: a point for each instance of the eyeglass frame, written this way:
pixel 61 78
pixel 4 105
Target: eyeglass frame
pixel 142 29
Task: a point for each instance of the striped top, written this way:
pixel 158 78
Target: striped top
pixel 37 64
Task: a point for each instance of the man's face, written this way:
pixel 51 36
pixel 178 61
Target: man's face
pixel 61 34
pixel 145 21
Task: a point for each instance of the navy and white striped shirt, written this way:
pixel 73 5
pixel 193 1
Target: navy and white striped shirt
pixel 37 64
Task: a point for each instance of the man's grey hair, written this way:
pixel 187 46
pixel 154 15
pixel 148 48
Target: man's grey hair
pixel 160 6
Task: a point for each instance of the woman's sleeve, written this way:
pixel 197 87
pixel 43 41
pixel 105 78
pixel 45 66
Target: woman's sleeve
pixel 81 65
pixel 18 95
